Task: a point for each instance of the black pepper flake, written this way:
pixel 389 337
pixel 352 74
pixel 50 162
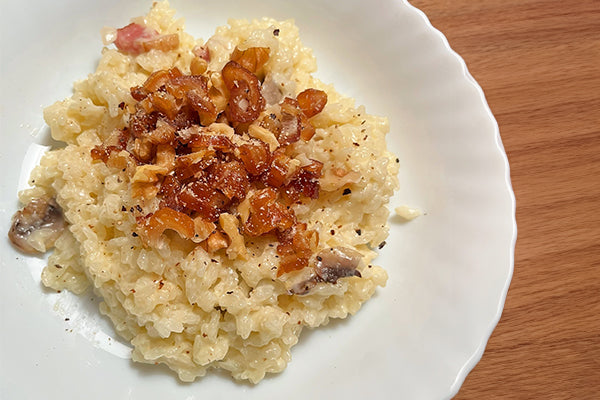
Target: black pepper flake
pixel 123 208
pixel 161 284
pixel 134 234
pixel 346 191
pixel 204 335
pixel 67 319
pixel 131 209
pixel 273 268
pixel 332 232
pixel 57 266
pixel 397 160
pixel 213 260
pixel 273 116
pixel 276 32
pixel 356 144
pixel 381 245
pixel 137 207
pixel 319 258
pixel 231 291
pixel 122 105
pixel 363 122
pixel 358 232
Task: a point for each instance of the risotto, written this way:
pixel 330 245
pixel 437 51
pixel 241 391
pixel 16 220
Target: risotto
pixel 215 195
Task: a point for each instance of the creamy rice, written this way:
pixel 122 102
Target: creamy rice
pixel 176 303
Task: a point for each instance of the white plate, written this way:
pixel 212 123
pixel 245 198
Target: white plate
pixel 449 269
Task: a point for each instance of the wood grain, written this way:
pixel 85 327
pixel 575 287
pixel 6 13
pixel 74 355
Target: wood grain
pixel 538 62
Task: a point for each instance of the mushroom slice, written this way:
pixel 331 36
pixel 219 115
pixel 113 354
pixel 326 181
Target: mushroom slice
pixel 303 287
pixel 36 227
pixel 332 264
pixel 337 262
pixel 300 282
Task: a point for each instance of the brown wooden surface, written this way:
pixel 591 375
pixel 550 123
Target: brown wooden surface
pixel 538 62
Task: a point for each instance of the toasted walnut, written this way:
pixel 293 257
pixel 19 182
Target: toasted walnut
pixel 148 173
pixel 202 229
pixel 143 150
pixel 243 209
pixel 144 190
pixel 165 157
pixel 218 91
pixel 195 157
pixel 216 241
pixel 230 225
pixel 258 132
pixel 222 129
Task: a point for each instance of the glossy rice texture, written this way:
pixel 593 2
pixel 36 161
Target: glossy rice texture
pixel 176 303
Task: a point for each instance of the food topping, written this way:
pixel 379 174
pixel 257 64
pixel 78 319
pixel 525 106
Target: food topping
pixel 36 227
pixel 217 161
pixel 332 264
pixel 218 204
pixel 136 39
pixel 337 262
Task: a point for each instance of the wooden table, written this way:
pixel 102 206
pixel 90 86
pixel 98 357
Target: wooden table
pixel 538 62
